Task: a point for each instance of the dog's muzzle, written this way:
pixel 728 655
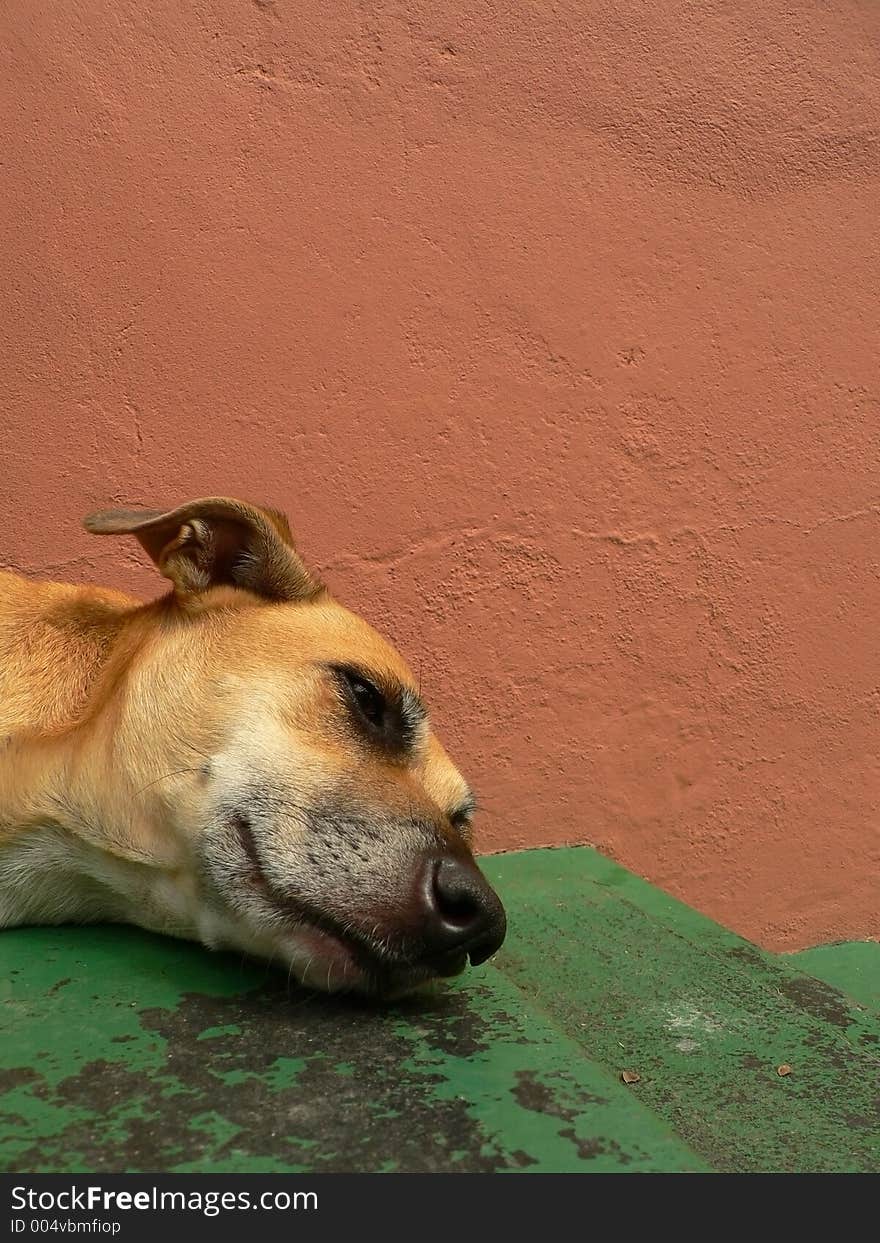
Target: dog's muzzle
pixel 434 913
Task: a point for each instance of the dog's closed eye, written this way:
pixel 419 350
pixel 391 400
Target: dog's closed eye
pixel 461 816
pixel 368 703
pixel 369 699
pixel 391 716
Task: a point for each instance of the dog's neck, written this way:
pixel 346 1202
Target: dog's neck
pixel 55 641
pixel 69 806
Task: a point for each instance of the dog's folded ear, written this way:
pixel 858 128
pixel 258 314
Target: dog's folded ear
pixel 216 542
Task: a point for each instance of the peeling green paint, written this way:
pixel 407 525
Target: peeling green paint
pixel 646 983
pixel 123 1051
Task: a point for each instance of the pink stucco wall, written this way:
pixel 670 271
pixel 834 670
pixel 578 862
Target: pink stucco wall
pixel 553 326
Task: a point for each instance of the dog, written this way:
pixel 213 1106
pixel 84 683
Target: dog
pixel 243 762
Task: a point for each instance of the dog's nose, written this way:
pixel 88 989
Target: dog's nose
pixel 462 911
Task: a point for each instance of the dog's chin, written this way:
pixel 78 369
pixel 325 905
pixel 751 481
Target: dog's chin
pixel 328 961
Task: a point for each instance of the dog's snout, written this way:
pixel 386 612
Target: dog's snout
pixel 462 912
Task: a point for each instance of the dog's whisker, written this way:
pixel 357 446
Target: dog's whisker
pixel 178 772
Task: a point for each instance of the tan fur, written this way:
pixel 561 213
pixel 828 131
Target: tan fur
pixel 128 731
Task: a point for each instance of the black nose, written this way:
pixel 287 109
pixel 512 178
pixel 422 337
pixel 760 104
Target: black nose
pixel 462 912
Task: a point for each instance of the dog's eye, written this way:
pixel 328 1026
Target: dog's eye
pixel 368 698
pixel 460 817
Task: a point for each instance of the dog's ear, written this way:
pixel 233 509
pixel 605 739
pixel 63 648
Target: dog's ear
pixel 215 542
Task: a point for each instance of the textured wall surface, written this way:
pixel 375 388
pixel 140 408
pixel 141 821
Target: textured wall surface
pixel 553 327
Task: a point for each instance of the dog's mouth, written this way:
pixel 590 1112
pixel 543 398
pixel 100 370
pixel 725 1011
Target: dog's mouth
pixel 334 958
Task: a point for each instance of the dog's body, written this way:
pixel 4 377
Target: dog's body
pixel 243 762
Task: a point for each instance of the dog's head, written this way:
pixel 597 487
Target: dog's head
pixel 324 823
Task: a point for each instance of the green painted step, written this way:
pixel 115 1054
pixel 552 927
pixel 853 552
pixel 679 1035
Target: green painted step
pixel 705 1018
pixel 124 1051
pixel 853 967
pixel 127 1051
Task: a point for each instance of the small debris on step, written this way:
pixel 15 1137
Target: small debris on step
pixel 633 1076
